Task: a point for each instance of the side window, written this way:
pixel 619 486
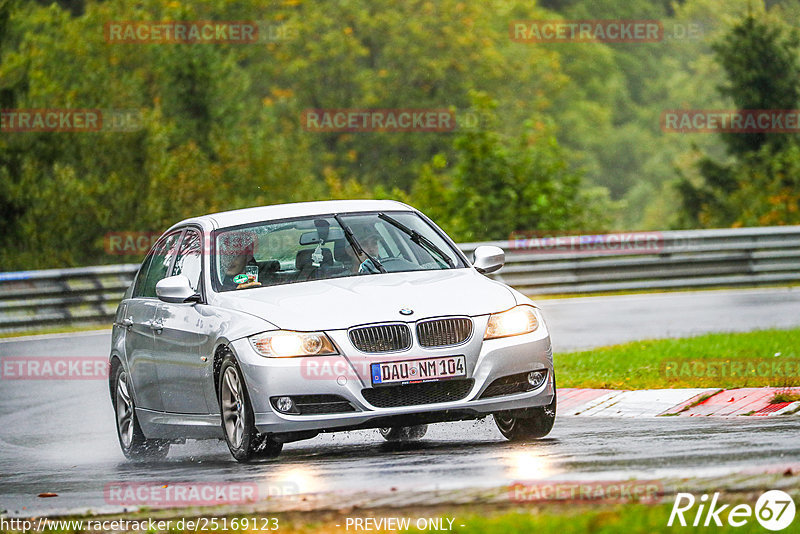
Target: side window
pixel 156 265
pixel 189 260
pixel 138 286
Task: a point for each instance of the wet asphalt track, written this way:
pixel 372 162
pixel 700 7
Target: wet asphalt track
pixel 59 436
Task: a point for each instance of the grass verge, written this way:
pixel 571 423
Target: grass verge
pixel 752 359
pixel 782 397
pixel 55 330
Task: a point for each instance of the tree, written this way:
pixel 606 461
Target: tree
pixel 11 85
pixel 760 59
pixel 500 185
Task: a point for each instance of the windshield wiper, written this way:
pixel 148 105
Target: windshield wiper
pixel 348 234
pixel 418 238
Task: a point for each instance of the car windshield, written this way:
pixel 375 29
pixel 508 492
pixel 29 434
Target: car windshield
pixel 328 246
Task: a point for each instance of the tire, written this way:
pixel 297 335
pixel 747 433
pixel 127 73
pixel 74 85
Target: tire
pixel 536 422
pixel 135 446
pixel 237 419
pixel 403 433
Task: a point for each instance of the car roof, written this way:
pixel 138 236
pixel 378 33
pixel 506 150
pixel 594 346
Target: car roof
pixel 298 209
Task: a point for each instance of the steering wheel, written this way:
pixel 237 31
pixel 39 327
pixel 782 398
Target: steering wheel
pixel 404 263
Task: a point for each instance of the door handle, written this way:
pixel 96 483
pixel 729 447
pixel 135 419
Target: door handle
pixel 156 326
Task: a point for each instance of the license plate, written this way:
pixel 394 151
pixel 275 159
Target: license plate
pixel 411 371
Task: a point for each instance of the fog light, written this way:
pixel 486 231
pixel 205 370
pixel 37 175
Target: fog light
pixel 536 378
pixel 285 405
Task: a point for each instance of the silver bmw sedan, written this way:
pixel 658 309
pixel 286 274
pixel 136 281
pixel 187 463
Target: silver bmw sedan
pixel 269 325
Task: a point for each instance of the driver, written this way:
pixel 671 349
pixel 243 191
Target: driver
pixel 370 245
pixel 352 261
pixel 235 276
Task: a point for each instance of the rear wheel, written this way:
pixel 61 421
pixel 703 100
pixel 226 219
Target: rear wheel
pixel 238 421
pixel 527 424
pixel 134 445
pixel 403 433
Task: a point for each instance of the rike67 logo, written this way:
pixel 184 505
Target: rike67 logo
pixel 774 510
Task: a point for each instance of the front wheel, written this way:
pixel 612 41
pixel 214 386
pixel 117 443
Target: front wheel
pixel 403 433
pixel 535 423
pixel 238 421
pixel 134 445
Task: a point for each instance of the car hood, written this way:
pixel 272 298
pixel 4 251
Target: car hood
pixel 344 302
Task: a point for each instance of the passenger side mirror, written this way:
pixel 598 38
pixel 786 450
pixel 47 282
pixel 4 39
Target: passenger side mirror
pixel 176 290
pixel 488 259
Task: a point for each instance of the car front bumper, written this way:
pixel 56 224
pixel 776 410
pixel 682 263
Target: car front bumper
pixel 340 375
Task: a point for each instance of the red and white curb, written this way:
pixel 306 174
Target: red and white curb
pixel 679 402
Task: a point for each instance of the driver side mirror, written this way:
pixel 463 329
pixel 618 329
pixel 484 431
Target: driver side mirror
pixel 488 259
pixel 176 290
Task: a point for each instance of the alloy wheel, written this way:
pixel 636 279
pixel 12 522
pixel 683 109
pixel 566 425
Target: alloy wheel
pixel 124 410
pixel 233 406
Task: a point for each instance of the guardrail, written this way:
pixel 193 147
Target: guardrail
pixel 666 260
pixel 536 266
pixel 85 295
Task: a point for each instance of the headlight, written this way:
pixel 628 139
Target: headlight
pixel 516 321
pixel 285 344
